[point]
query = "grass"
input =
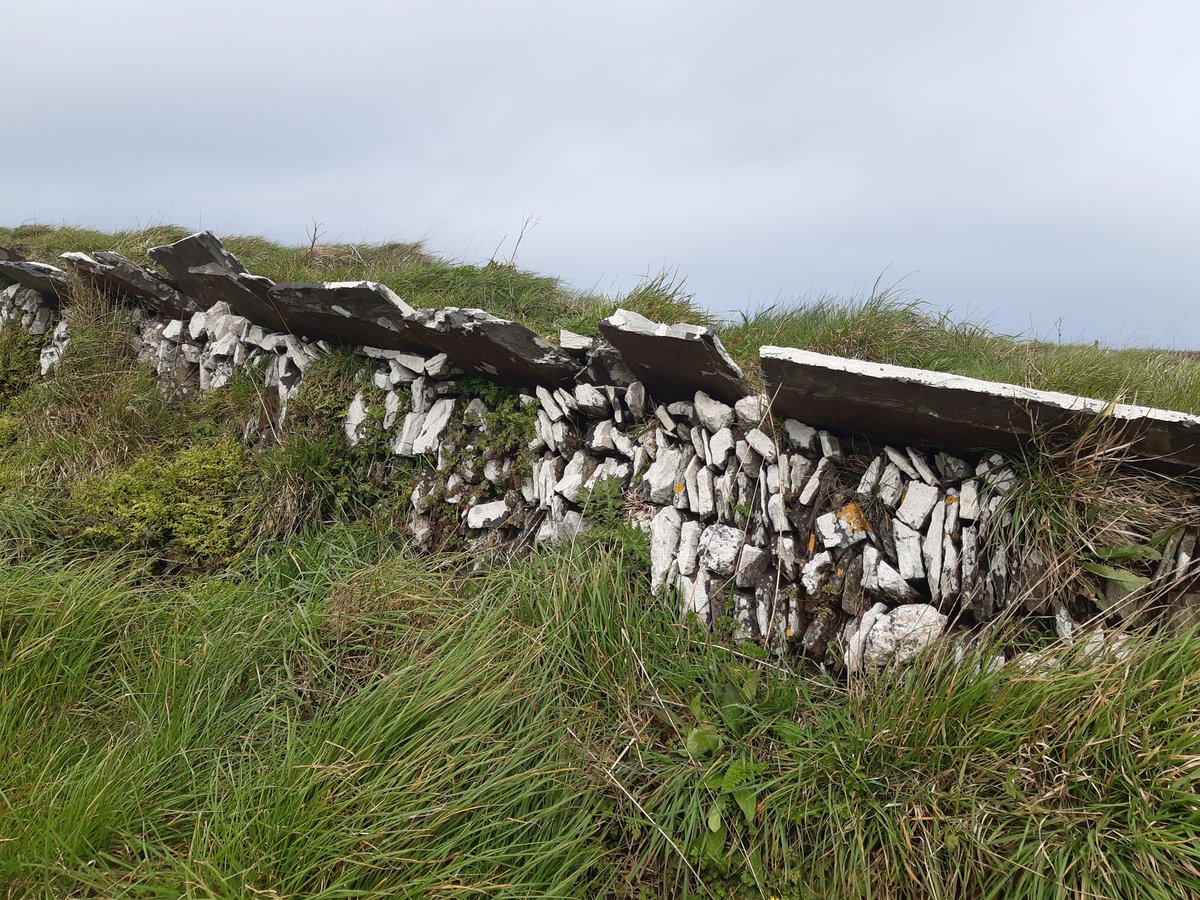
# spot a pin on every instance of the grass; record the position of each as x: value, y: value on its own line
x: 342, y: 720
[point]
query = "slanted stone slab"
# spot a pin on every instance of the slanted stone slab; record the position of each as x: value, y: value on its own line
x: 497, y: 349
x: 41, y: 277
x: 675, y: 361
x: 358, y: 313
x: 208, y: 273
x: 114, y: 274
x: 952, y: 412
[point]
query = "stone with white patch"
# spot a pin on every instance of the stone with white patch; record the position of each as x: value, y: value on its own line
x: 436, y: 422
x: 801, y: 436
x: 591, y: 402
x: 488, y: 515
x: 919, y: 501
x: 663, y: 475
x: 689, y: 546
x: 752, y: 410
x: 762, y: 444
x: 751, y: 566
x: 354, y: 425
x: 879, y: 578
x: 815, y: 572
x: 712, y: 414
x: 909, y: 558
x: 664, y: 545
x: 719, y: 546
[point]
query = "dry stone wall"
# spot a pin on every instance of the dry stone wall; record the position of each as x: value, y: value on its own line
x: 852, y: 551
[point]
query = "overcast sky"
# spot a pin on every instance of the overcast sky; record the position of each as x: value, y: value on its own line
x: 1034, y: 164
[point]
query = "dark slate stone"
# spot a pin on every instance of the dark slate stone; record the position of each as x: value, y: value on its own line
x: 360, y: 313
x: 41, y: 277
x: 208, y: 273
x: 950, y: 412
x: 116, y: 275
x: 604, y: 365
x: 497, y: 349
x: 675, y: 361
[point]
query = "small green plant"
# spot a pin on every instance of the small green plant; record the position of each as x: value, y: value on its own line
x: 193, y: 506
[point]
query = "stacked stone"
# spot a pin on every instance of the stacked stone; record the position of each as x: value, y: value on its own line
x: 206, y: 350
x: 33, y: 311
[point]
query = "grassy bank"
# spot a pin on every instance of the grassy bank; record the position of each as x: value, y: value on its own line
x: 884, y: 327
x: 340, y: 719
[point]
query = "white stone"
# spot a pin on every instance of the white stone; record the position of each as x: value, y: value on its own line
x: 908, y: 551
x: 830, y: 446
x: 566, y: 400
x: 921, y: 467
x: 488, y: 515
x: 813, y: 574
x: 881, y: 579
x: 763, y: 445
x: 173, y: 330
x: 719, y: 545
x: 712, y: 414
x: 694, y: 594
x: 430, y: 438
x: 899, y: 636
x: 576, y: 473
x: 789, y: 557
x: 919, y: 501
x: 665, y: 419
x: 720, y: 446
x: 801, y: 435
x: 549, y: 404
x: 682, y: 409
x: 855, y: 645
x: 705, y: 501
x: 438, y: 366
x: 356, y: 416
x: 663, y: 475
x: 843, y: 528
x: 198, y: 325
x: 870, y: 479
x: 664, y: 545
x: 691, y: 484
x: 409, y: 431
x: 900, y: 460
x: 891, y: 486
x: 816, y: 481
x: 602, y: 436
x: 968, y: 501
x: 635, y: 399
x: 689, y: 546
x: 932, y: 547
x: 569, y: 340
x: 752, y: 410
x: 622, y: 444
x: 590, y: 401
x: 225, y: 346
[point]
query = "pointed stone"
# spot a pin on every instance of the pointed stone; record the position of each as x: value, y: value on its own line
x: 712, y: 414
x: 675, y: 361
x: 664, y: 545
x: 689, y: 546
x: 919, y: 501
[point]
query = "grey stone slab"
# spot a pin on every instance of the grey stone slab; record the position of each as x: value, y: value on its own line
x: 41, y: 277
x: 115, y: 275
x: 951, y: 412
x: 497, y: 349
x: 675, y: 361
x: 204, y: 270
x: 357, y: 313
